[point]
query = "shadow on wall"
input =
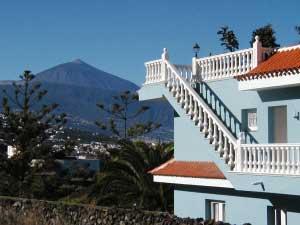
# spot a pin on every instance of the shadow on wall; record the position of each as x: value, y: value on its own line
x: 279, y: 94
x: 224, y: 113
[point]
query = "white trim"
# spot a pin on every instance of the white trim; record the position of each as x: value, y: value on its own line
x: 288, y: 48
x: 270, y: 82
x: 193, y: 181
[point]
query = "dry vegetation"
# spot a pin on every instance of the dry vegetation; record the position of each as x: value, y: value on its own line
x: 28, y: 218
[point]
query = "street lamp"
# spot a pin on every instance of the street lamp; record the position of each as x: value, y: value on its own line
x: 196, y: 49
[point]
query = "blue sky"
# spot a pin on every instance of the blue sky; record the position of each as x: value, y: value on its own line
x: 118, y: 36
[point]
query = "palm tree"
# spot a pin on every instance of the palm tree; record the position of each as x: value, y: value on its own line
x: 228, y: 39
x: 125, y: 181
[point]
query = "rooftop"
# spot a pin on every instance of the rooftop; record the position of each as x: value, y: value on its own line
x: 199, y: 169
x: 282, y: 62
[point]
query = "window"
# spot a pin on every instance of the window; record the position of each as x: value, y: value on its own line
x: 277, y: 216
x: 216, y: 210
x: 249, y: 118
x: 280, y: 217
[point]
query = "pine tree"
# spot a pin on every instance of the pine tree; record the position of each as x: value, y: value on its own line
x: 228, y: 39
x: 28, y: 125
x: 266, y: 36
x: 122, y: 112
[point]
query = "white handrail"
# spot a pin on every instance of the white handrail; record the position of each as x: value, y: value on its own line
x: 226, y: 65
x: 203, y: 104
x: 281, y: 158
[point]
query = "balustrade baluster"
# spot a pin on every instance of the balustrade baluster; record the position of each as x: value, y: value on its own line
x: 202, y: 70
x: 244, y: 62
x: 231, y: 156
x: 215, y: 136
x: 213, y: 73
x: 156, y: 72
x: 287, y: 164
x: 182, y: 95
x: 259, y: 153
x: 254, y: 164
x: 205, y: 123
x: 283, y: 160
x: 220, y: 143
x: 195, y: 118
x: 293, y: 160
x: 245, y: 161
x: 217, y: 67
x: 227, y: 66
x: 169, y: 82
x: 177, y: 95
x: 173, y: 87
x: 190, y: 109
x: 267, y: 161
x: 235, y: 65
x: 273, y: 163
x: 250, y: 161
x: 210, y: 129
x: 210, y: 67
x: 225, y: 149
x: 278, y: 160
x: 186, y: 100
x: 200, y: 118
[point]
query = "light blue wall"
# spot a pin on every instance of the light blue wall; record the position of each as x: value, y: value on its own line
x: 235, y: 100
x: 238, y: 210
x: 190, y: 145
x: 240, y: 207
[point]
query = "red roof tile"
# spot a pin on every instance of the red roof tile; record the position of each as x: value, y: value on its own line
x: 189, y: 169
x: 281, y: 61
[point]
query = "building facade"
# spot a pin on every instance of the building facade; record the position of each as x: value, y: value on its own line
x: 236, y: 134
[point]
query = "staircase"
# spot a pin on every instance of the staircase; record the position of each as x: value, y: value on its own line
x: 202, y: 106
x: 178, y: 80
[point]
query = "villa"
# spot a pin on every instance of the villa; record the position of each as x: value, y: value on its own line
x: 236, y: 134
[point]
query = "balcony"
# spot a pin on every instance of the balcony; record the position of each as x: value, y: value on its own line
x: 276, y: 159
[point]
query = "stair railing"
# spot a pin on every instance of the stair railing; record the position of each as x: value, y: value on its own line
x: 203, y: 116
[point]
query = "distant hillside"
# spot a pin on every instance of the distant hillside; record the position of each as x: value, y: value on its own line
x: 77, y: 87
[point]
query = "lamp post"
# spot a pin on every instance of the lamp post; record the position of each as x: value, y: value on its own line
x: 196, y: 49
x: 195, y: 79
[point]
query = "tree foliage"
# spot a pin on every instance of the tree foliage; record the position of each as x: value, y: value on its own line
x: 228, y: 39
x: 266, y: 36
x: 123, y: 114
x: 27, y: 125
x: 125, y: 180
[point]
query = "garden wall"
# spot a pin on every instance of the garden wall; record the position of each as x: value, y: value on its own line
x: 30, y: 212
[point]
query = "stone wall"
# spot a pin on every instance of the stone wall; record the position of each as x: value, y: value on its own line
x: 29, y: 212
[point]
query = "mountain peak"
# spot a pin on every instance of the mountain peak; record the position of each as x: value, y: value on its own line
x: 78, y: 61
x: 79, y: 73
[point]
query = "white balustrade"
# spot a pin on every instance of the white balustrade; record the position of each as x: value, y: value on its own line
x: 178, y: 83
x: 269, y: 158
x: 241, y: 157
x: 154, y: 72
x: 225, y: 65
x: 185, y: 71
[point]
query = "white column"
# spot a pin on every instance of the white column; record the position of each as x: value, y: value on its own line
x: 238, y: 152
x: 257, y: 52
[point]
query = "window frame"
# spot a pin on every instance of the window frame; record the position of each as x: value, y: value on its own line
x: 216, y: 210
x: 246, y: 119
